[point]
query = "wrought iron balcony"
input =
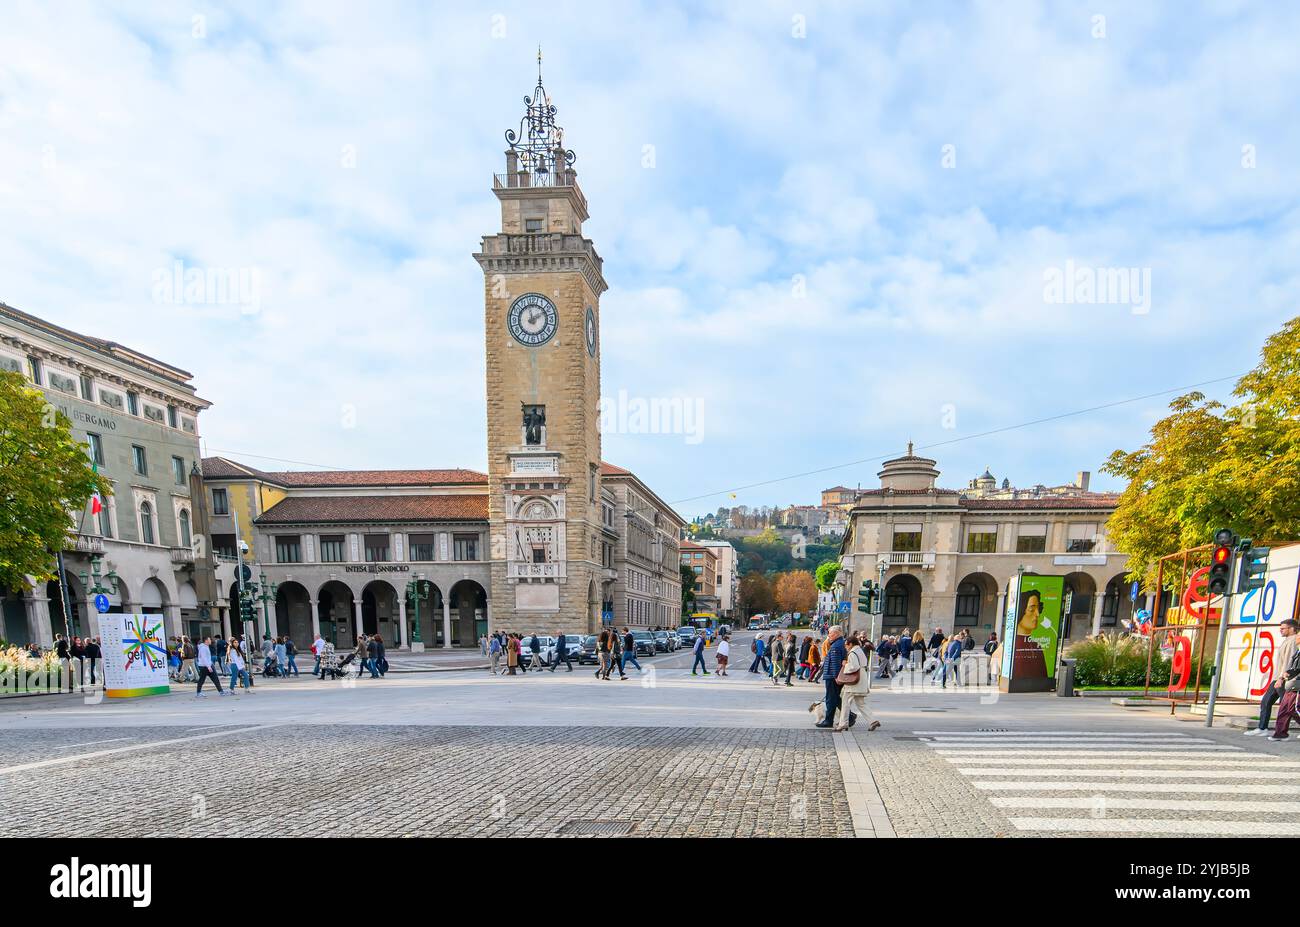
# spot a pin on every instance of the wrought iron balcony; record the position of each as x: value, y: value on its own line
x: 85, y: 543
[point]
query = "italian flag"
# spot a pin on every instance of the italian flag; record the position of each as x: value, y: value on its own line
x: 96, y: 506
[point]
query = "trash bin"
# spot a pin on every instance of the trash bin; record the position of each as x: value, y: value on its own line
x: 1065, y: 679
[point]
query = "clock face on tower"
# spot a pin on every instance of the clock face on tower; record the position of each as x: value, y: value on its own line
x: 532, y: 320
x: 591, y: 332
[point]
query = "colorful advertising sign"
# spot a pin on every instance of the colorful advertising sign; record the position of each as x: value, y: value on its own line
x: 1253, y: 618
x: 135, y: 655
x: 1031, y: 630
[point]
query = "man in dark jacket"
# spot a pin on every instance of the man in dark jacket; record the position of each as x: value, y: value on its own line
x: 562, y: 652
x: 936, y: 641
x: 93, y: 653
x: 629, y: 651
x: 834, y: 662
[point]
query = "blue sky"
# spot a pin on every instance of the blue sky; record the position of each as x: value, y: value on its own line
x: 841, y: 243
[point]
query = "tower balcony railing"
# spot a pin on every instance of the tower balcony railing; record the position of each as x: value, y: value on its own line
x: 516, y: 570
x: 527, y: 179
x: 535, y: 243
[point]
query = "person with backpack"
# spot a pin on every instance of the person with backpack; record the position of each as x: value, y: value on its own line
x: 188, y: 656
x: 757, y: 647
x: 699, y: 654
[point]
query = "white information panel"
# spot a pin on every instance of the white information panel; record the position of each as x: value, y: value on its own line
x: 135, y: 655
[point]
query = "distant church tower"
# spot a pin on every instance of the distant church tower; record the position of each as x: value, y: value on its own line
x: 542, y: 288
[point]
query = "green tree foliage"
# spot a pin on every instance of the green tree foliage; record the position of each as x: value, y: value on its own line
x: 1209, y: 466
x: 770, y: 552
x: 755, y: 594
x: 688, y: 587
x: 825, y: 575
x: 45, y: 478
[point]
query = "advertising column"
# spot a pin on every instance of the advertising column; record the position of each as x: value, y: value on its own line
x: 1031, y: 633
x: 135, y: 655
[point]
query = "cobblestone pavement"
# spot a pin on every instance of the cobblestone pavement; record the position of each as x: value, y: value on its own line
x: 425, y: 781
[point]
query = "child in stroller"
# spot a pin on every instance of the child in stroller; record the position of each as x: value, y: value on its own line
x: 271, y: 667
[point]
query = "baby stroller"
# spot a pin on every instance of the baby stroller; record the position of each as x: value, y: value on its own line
x: 271, y: 667
x: 330, y: 665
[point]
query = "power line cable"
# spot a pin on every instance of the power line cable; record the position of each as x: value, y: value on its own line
x: 982, y: 434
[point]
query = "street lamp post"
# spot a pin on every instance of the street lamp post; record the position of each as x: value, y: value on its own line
x: 414, y: 590
x: 265, y: 592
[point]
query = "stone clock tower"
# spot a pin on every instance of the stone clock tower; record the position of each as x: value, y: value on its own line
x: 542, y: 287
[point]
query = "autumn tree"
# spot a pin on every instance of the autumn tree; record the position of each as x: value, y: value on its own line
x: 1208, y: 465
x: 796, y: 591
x: 45, y: 476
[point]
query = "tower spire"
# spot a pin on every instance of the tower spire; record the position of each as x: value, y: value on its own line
x: 539, y: 143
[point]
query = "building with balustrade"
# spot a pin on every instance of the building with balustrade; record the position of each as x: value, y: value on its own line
x: 139, y: 420
x: 946, y: 555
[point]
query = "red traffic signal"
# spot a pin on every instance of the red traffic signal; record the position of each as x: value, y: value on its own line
x: 1220, y: 570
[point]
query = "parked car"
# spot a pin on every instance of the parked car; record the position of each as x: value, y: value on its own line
x: 665, y: 642
x: 645, y: 642
x: 586, y: 653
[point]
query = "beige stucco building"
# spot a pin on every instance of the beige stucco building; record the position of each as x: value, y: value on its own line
x: 946, y: 555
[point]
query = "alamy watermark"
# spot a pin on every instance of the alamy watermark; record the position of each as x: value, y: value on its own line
x: 209, y: 286
x: 1084, y: 285
x: 654, y: 415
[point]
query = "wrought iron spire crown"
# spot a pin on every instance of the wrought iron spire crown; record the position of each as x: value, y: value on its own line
x: 539, y: 143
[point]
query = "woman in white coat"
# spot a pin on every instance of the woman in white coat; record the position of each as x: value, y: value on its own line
x: 854, y: 695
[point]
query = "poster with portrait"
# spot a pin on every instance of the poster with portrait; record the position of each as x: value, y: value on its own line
x: 135, y: 655
x: 1032, y: 633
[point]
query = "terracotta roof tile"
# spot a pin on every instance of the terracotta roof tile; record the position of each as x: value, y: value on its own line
x: 224, y: 468
x: 301, y: 510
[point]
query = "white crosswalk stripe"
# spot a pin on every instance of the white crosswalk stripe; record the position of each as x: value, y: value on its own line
x: 1097, y: 782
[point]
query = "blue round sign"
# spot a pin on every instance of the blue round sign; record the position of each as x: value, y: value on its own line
x: 101, y: 603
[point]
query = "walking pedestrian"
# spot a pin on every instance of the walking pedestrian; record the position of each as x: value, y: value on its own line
x: 535, y: 650
x: 815, y: 660
x: 1285, y: 651
x: 790, y: 657
x: 318, y: 650
x: 991, y: 649
x: 64, y: 654
x: 378, y: 656
x: 699, y: 654
x: 188, y: 655
x: 281, y: 657
x: 203, y: 660
x: 562, y: 652
x: 238, y: 672
x: 836, y: 652
x: 854, y: 694
x: 951, y: 660
x: 615, y: 655
x: 918, y: 649
x: 723, y: 654
x: 629, y: 652
x: 494, y: 654
x: 512, y: 655
x: 290, y: 654
x: 219, y: 654
x: 759, y: 648
x: 93, y: 653
x: 361, y: 654
x: 78, y: 651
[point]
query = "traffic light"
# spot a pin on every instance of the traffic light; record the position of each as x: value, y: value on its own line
x: 1221, y: 563
x: 246, y: 610
x: 1254, y: 564
x: 865, y: 596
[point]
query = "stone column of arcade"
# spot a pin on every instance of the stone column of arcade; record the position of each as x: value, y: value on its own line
x: 356, y: 607
x: 401, y: 620
x: 446, y: 622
